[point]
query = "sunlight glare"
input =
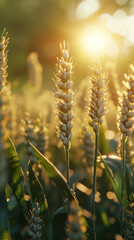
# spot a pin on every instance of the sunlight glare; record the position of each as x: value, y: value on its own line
x: 99, y: 42
x: 94, y: 42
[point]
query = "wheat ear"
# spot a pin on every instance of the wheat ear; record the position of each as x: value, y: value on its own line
x: 35, y: 224
x: 125, y: 123
x: 64, y: 95
x: 3, y: 109
x: 97, y: 108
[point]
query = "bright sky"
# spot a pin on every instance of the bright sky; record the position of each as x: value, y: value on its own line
x: 99, y: 38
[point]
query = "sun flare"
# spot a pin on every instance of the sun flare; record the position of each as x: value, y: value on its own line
x: 94, y: 42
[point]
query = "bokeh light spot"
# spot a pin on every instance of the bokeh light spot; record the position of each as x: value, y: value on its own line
x: 121, y: 2
x: 87, y: 8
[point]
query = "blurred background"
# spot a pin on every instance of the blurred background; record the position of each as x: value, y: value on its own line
x: 92, y: 27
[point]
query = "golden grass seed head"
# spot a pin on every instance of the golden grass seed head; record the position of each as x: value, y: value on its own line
x: 125, y: 115
x: 113, y: 83
x: 97, y: 102
x: 3, y: 140
x: 3, y: 60
x: 82, y: 99
x: 64, y: 94
x: 129, y: 83
x: 35, y: 71
x: 87, y: 145
x: 29, y: 135
x: 41, y: 137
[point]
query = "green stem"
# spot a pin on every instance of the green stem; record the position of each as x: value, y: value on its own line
x: 68, y: 177
x: 4, y: 227
x: 123, y: 183
x: 67, y: 162
x: 94, y: 186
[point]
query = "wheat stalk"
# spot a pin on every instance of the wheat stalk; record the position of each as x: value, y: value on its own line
x: 87, y: 146
x: 97, y: 108
x: 41, y: 137
x: 97, y: 102
x: 113, y: 85
x: 35, y: 71
x: 125, y: 123
x: 29, y: 136
x: 64, y: 95
x: 3, y: 109
x: 3, y: 60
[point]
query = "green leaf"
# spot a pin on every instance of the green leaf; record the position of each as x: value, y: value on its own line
x: 53, y: 173
x: 59, y: 224
x: 103, y: 143
x: 38, y: 196
x: 115, y: 163
x: 4, y: 228
x: 15, y: 180
x: 60, y: 219
x: 116, y: 179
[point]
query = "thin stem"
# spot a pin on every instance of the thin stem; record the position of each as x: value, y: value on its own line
x: 94, y: 186
x: 4, y: 215
x: 123, y: 183
x: 67, y: 162
x: 68, y: 177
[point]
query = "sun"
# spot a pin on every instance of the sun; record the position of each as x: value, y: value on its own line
x: 94, y: 42
x: 97, y: 41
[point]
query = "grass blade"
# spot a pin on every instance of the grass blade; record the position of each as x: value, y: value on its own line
x: 15, y: 180
x: 4, y: 228
x: 38, y: 196
x: 115, y: 183
x: 53, y: 173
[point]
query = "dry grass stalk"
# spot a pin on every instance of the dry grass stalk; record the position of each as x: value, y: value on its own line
x: 35, y: 71
x: 113, y: 86
x: 88, y: 147
x: 3, y: 138
x: 129, y: 83
x: 126, y: 105
x: 3, y: 109
x: 42, y: 138
x: 83, y: 96
x: 129, y: 148
x: 97, y: 104
x: 29, y: 135
x: 125, y: 115
x: 64, y: 94
x: 97, y: 108
x: 3, y: 60
x: 125, y: 124
x: 113, y: 92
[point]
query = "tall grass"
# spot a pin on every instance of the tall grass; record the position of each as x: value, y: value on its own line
x: 96, y: 187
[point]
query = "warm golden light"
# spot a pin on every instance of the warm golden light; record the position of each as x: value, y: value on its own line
x: 94, y: 42
x: 99, y: 42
